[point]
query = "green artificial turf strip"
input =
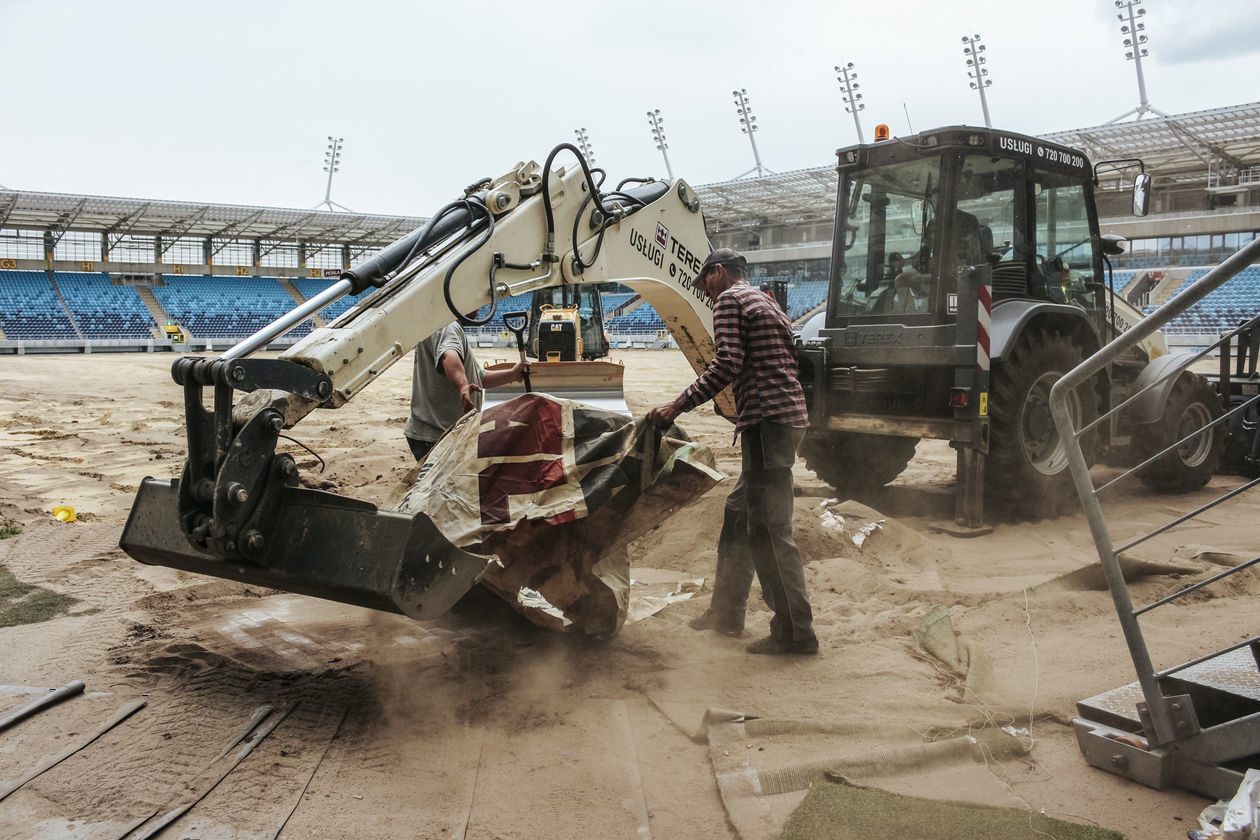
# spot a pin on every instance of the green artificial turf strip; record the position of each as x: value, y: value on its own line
x: 838, y: 810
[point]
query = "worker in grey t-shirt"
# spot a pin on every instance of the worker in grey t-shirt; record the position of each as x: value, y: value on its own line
x: 446, y: 384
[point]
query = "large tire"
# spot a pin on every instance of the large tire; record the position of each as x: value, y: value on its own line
x: 854, y: 463
x: 1192, y: 404
x: 1026, y: 475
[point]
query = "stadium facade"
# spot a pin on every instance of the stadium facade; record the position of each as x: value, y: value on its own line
x: 91, y: 273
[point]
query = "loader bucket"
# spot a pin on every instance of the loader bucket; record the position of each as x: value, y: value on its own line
x: 324, y: 545
x: 597, y: 384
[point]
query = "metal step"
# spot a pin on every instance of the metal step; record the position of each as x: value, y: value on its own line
x: 1222, y: 688
x: 1218, y: 703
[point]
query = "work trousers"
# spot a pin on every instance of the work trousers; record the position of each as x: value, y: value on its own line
x: 757, y: 537
x: 420, y: 448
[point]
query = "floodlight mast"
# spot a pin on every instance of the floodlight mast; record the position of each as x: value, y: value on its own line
x: 1132, y: 28
x: 972, y: 48
x: 847, y: 78
x: 332, y: 161
x: 584, y: 143
x: 748, y: 125
x: 658, y: 134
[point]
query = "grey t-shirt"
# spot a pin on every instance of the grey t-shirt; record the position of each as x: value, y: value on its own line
x: 434, y: 401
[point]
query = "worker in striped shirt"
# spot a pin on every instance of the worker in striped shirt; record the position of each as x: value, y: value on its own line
x: 753, y: 343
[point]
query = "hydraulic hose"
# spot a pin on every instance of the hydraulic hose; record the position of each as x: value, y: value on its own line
x: 549, y: 254
x: 474, y: 204
x: 376, y: 270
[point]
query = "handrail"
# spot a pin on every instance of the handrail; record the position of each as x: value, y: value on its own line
x: 1163, y: 727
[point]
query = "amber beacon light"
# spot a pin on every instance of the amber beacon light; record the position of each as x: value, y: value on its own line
x: 881, y: 132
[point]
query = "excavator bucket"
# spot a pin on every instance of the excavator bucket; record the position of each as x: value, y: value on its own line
x: 596, y: 383
x: 322, y: 545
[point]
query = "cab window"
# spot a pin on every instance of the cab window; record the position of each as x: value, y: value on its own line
x: 1062, y: 246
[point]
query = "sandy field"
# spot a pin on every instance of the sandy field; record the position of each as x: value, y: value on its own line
x: 479, y: 725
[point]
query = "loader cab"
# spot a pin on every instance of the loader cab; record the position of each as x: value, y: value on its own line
x: 594, y: 342
x: 913, y: 212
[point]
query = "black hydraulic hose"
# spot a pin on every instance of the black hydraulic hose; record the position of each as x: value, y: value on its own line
x: 621, y: 186
x: 593, y: 186
x: 422, y: 242
x: 627, y: 197
x: 474, y: 204
x: 581, y: 265
x: 376, y: 270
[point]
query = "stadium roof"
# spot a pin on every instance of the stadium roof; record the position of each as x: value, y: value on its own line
x: 1177, y: 149
x: 121, y: 217
x: 802, y: 196
x: 1181, y: 148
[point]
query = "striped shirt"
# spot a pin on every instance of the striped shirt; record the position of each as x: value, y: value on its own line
x: 753, y: 339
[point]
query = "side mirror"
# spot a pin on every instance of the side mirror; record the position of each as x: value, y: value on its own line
x: 1142, y: 194
x: 1113, y: 244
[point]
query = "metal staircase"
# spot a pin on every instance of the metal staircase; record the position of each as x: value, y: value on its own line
x: 1195, y: 725
x: 65, y: 307
x: 152, y: 304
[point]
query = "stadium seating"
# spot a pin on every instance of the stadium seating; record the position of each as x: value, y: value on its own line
x: 225, y: 307
x: 102, y: 309
x: 803, y: 297
x: 1229, y: 305
x: 610, y: 302
x: 1123, y: 278
x: 30, y: 309
x: 516, y: 303
x: 642, y: 320
x: 310, y: 287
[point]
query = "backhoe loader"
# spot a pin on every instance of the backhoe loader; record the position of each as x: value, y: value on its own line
x: 238, y: 510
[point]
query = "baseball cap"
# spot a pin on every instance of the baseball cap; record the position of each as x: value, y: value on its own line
x: 724, y: 256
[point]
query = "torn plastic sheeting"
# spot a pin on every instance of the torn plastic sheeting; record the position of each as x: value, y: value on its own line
x: 532, y: 599
x: 557, y: 489
x: 836, y: 522
x: 1237, y: 819
x: 648, y: 597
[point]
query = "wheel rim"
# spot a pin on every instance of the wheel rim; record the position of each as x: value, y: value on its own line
x: 1197, y: 449
x: 1038, y: 435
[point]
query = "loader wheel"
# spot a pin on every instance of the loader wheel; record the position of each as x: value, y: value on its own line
x: 855, y: 463
x: 1026, y: 476
x: 1192, y: 404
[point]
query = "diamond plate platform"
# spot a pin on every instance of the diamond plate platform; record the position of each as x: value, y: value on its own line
x: 1223, y: 688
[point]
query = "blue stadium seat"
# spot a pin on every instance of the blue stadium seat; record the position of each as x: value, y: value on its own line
x: 29, y: 308
x: 312, y: 286
x: 225, y: 307
x: 102, y: 309
x: 1237, y: 300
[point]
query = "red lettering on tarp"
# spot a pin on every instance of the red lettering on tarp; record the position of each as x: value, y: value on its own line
x: 527, y: 425
x: 498, y: 482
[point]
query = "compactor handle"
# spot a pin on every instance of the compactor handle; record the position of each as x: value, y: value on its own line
x: 518, y: 322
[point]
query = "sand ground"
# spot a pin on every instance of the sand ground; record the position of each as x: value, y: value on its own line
x: 481, y: 726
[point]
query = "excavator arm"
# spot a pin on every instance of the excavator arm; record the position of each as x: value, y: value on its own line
x: 651, y: 239
x: 238, y: 510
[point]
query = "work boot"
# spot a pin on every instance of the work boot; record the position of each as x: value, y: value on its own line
x: 709, y: 620
x: 774, y: 646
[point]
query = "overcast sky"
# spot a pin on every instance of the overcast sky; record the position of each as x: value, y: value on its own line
x: 232, y: 102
